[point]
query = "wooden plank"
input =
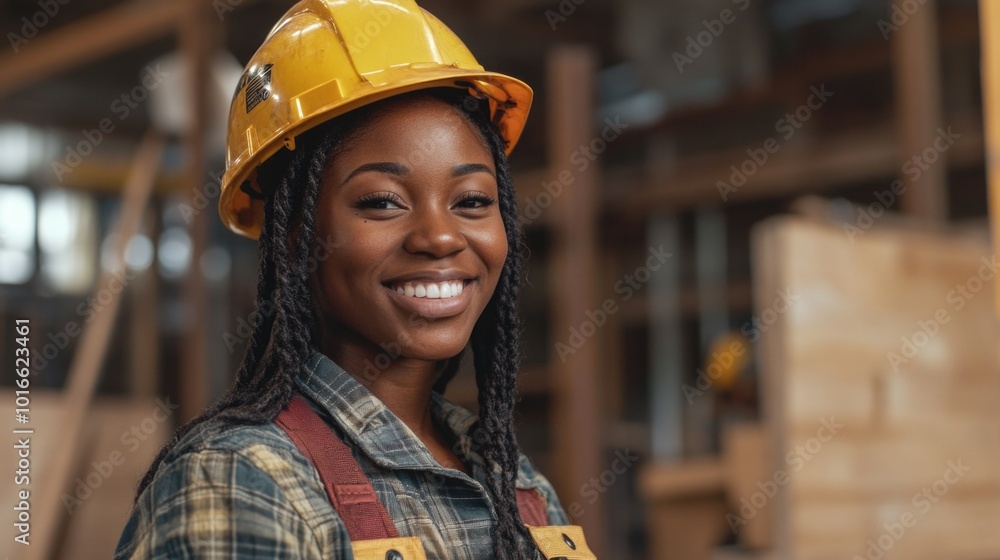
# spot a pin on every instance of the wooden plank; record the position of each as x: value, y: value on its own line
x: 144, y: 336
x: 76, y: 44
x: 672, y: 481
x: 577, y: 407
x: 990, y: 23
x: 821, y: 164
x: 86, y: 367
x: 746, y: 459
x: 917, y: 76
x: 686, y: 507
x: 904, y: 418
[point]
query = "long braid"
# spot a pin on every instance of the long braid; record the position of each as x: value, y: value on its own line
x: 278, y: 344
x: 496, y: 351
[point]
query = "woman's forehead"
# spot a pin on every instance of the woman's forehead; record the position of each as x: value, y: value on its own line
x: 417, y: 129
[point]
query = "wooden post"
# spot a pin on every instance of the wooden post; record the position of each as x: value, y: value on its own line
x: 917, y: 71
x: 578, y: 430
x: 195, y: 33
x: 144, y: 354
x: 989, y: 21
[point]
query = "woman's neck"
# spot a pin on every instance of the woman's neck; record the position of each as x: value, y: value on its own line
x: 403, y: 385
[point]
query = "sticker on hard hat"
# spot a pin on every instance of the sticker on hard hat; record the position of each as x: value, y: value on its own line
x: 257, y: 81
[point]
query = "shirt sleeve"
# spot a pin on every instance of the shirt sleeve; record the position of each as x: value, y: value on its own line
x: 220, y: 504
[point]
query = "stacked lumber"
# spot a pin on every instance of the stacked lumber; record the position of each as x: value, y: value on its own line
x: 881, y: 391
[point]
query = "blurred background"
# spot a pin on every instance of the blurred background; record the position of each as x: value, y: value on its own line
x: 759, y: 317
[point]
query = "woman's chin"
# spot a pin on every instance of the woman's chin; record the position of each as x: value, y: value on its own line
x: 434, y: 348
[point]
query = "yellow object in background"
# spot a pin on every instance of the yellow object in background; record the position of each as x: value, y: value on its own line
x: 727, y: 358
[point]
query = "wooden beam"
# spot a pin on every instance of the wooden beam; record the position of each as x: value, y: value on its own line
x: 144, y: 354
x: 577, y: 405
x: 78, y: 43
x: 917, y: 74
x: 822, y: 164
x: 990, y: 22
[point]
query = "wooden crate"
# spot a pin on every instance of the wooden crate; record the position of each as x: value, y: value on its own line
x: 839, y: 353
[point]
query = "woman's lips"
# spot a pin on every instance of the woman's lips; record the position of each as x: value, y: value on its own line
x: 432, y: 299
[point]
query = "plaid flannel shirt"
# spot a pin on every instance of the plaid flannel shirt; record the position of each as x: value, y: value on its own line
x: 248, y: 492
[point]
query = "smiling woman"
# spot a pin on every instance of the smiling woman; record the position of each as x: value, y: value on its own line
x: 335, y: 440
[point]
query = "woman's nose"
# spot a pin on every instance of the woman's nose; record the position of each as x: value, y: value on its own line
x: 435, y: 233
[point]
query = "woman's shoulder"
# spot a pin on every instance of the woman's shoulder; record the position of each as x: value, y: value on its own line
x: 244, y: 457
x: 233, y: 481
x: 218, y: 435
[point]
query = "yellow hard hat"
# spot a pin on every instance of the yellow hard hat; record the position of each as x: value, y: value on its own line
x: 327, y: 57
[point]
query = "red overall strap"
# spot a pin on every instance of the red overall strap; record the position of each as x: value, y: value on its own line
x: 347, y: 488
x: 532, y: 507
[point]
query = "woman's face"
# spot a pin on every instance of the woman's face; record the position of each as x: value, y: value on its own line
x: 408, y: 209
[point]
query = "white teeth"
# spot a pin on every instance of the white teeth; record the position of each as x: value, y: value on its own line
x: 431, y: 290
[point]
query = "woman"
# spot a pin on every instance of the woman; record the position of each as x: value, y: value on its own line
x: 373, y: 170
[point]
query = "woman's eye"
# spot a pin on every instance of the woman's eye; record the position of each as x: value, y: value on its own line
x: 475, y: 200
x: 380, y: 201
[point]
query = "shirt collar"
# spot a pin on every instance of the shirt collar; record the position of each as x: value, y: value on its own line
x: 378, y: 433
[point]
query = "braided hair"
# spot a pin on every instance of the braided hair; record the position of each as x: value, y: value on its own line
x: 279, y: 344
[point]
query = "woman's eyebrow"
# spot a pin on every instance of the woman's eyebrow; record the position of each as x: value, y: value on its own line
x: 468, y: 168
x: 386, y: 167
